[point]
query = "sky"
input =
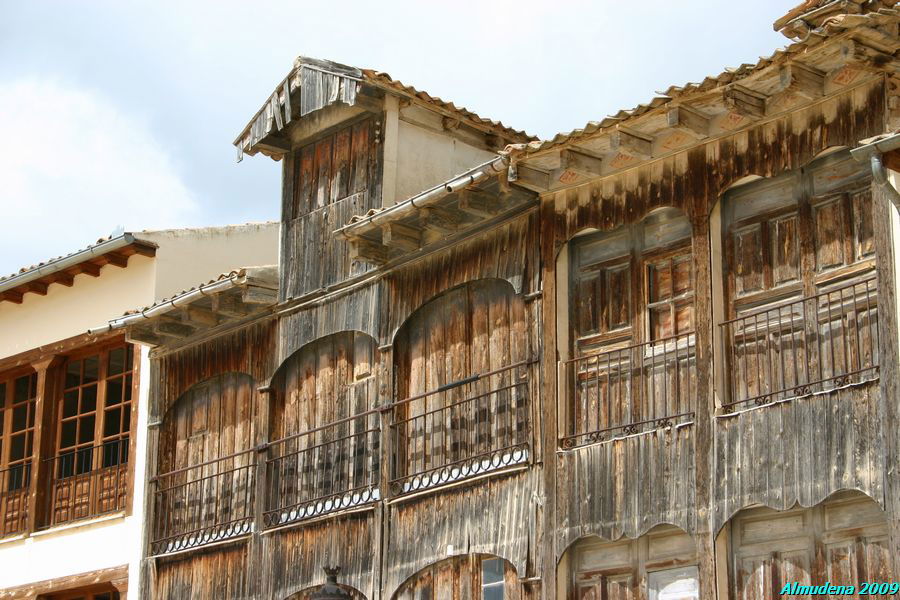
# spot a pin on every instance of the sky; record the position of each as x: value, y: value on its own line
x: 121, y: 115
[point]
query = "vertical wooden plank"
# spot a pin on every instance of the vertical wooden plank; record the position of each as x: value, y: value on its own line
x: 322, y: 191
x: 359, y: 156
x: 340, y: 165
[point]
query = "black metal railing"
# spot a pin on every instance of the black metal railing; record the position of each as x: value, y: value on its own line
x: 628, y: 390
x: 802, y: 347
x: 14, y: 484
x: 88, y: 482
x: 323, y: 470
x: 468, y: 427
x: 204, y: 503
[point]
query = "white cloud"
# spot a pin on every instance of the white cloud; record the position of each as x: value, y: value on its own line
x: 74, y: 167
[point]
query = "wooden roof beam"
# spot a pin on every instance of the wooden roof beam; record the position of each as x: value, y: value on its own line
x: 38, y: 287
x: 13, y: 296
x: 438, y: 220
x: 138, y: 247
x: 582, y: 162
x: 530, y: 178
x: 746, y: 102
x: 255, y: 294
x: 368, y: 251
x: 62, y: 277
x: 88, y: 268
x: 229, y: 305
x: 199, y: 317
x: 401, y: 236
x: 800, y: 79
x: 112, y: 258
x: 688, y: 119
x: 632, y: 142
x: 172, y: 328
x: 477, y: 204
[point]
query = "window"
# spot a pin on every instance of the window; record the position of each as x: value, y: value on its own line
x: 89, y: 471
x: 95, y: 414
x: 492, y: 579
x: 633, y: 284
x: 17, y: 397
x: 674, y: 584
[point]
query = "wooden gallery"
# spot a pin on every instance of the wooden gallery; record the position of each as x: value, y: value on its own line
x: 653, y: 358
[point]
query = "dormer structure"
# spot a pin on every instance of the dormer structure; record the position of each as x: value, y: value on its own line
x: 352, y: 141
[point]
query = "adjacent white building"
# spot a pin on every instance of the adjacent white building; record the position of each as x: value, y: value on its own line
x: 73, y: 404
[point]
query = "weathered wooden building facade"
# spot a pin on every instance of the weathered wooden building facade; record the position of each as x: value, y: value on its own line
x: 652, y: 358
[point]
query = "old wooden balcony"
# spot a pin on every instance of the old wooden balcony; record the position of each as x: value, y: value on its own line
x: 14, y: 486
x: 204, y: 503
x: 323, y: 470
x: 471, y: 427
x: 88, y: 482
x: 812, y: 345
x: 628, y: 390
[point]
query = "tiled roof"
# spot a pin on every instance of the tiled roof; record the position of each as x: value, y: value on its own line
x: 35, y: 266
x: 834, y: 26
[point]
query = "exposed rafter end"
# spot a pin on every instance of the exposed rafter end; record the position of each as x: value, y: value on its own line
x: 800, y: 79
x: 367, y: 251
x: 581, y: 161
x: 530, y: 178
x: 746, y: 102
x: 630, y: 141
x: 401, y: 236
x: 479, y: 205
x: 688, y: 119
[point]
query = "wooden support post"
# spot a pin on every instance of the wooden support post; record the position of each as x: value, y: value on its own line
x: 385, y: 394
x: 261, y: 440
x: 547, y: 570
x: 40, y: 487
x: 886, y: 254
x: 705, y: 405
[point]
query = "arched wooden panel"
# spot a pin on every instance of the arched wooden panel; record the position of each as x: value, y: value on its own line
x: 474, y: 576
x: 475, y: 328
x: 214, y: 418
x: 842, y: 541
x: 461, y: 384
x: 325, y: 381
x: 324, y: 456
x: 660, y: 564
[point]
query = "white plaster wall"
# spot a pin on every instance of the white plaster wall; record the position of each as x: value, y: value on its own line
x: 101, y: 543
x: 427, y: 155
x: 68, y: 311
x: 188, y: 257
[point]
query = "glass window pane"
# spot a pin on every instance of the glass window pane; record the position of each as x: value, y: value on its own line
x: 113, y: 391
x: 17, y: 447
x: 491, y: 571
x: 116, y: 361
x: 22, y: 390
x: 91, y: 369
x: 127, y: 388
x: 67, y: 436
x: 88, y: 399
x: 20, y: 417
x: 492, y: 592
x: 73, y: 373
x: 674, y: 584
x: 86, y: 429
x: 126, y: 417
x: 70, y: 403
x: 2, y: 395
x: 112, y: 422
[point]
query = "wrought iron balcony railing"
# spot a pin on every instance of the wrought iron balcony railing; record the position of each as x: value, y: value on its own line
x: 802, y: 347
x: 627, y: 390
x: 204, y: 503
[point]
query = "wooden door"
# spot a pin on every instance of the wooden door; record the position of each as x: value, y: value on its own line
x: 842, y: 541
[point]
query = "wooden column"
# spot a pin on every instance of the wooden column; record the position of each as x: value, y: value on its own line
x: 48, y: 389
x: 384, y: 380
x: 705, y: 405
x: 548, y: 399
x: 147, y: 576
x: 885, y: 219
x: 262, y: 438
